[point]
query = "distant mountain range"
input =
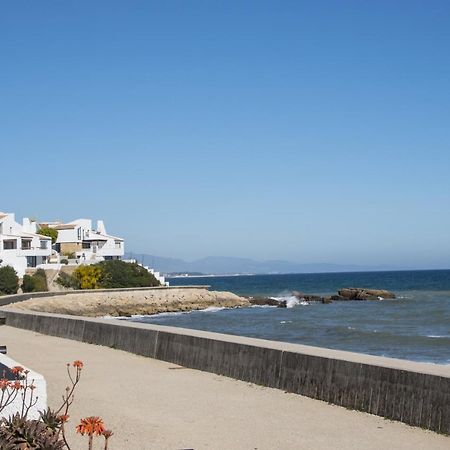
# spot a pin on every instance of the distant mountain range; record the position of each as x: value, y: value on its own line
x: 224, y: 265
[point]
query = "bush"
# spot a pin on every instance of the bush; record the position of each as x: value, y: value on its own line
x: 120, y: 274
x: 50, y: 232
x: 40, y: 281
x: 88, y: 276
x: 64, y: 261
x: 108, y: 275
x: 27, y: 283
x: 9, y: 281
x: 36, y: 282
x: 68, y: 281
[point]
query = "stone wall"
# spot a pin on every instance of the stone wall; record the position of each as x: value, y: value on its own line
x: 414, y: 393
x: 67, y: 248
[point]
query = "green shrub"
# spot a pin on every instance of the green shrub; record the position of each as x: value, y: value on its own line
x: 27, y: 283
x: 120, y: 274
x: 40, y: 281
x: 36, y: 282
x: 9, y: 281
x: 64, y: 261
x: 68, y: 281
x: 108, y: 275
x: 50, y: 232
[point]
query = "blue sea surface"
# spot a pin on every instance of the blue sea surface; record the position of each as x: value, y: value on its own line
x: 414, y: 326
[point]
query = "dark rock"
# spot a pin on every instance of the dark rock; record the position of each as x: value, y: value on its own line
x: 337, y: 298
x: 261, y: 301
x: 364, y: 294
x: 311, y: 298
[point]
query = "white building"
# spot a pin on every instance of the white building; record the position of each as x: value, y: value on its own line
x: 78, y: 239
x: 20, y: 245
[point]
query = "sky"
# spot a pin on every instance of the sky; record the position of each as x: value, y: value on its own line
x: 310, y: 131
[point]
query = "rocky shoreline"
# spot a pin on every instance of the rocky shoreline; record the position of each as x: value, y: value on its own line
x: 128, y: 303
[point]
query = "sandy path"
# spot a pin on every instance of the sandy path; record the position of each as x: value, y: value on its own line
x: 151, y: 404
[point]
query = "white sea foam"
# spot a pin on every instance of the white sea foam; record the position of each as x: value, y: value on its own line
x: 212, y: 309
x: 263, y: 306
x: 291, y: 301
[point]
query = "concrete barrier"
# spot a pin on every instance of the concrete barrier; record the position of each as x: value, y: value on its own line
x: 415, y: 393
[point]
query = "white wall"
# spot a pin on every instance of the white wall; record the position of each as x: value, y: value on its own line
x: 40, y: 392
x: 17, y: 258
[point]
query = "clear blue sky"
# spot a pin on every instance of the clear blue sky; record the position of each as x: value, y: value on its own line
x: 312, y: 131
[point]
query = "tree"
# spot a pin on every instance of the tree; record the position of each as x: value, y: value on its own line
x: 9, y: 281
x: 50, y: 232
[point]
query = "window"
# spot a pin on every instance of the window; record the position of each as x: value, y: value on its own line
x: 26, y: 244
x: 86, y: 245
x: 31, y: 261
x: 43, y: 245
x: 9, y: 245
x: 79, y: 234
x: 118, y: 244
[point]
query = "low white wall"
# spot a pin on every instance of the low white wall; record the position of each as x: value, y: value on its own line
x: 40, y: 392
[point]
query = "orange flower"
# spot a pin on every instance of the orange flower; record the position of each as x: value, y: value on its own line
x: 17, y: 386
x: 78, y: 364
x: 16, y: 370
x: 91, y: 426
x: 4, y: 383
x: 107, y: 434
x: 63, y: 418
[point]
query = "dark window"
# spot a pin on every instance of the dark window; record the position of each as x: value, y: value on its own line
x: 10, y: 245
x: 31, y: 261
x: 26, y: 244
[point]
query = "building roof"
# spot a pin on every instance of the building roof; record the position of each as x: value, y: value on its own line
x: 64, y: 226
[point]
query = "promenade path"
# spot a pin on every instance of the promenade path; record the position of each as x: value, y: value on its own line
x: 152, y: 404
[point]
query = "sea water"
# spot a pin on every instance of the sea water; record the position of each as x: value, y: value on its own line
x: 414, y: 326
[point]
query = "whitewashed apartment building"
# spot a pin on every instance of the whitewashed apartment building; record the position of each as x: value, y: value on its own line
x: 20, y: 246
x: 79, y: 240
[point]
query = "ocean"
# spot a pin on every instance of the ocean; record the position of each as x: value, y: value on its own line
x: 414, y: 326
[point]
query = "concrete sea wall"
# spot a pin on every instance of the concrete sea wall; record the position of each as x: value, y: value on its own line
x: 415, y: 393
